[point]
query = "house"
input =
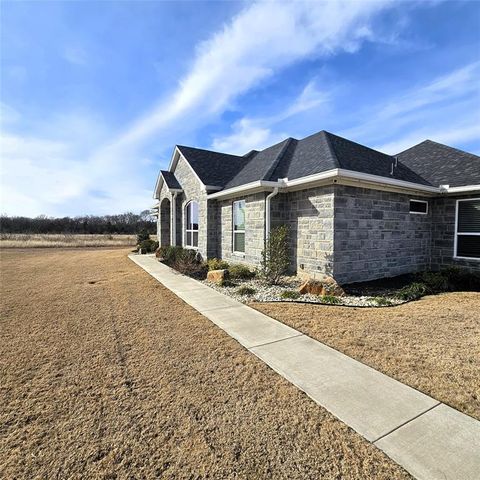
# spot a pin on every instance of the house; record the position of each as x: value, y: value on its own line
x: 354, y: 213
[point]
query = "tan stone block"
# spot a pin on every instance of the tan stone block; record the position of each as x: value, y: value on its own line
x: 217, y: 276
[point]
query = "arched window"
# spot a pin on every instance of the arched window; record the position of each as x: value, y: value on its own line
x: 191, y: 224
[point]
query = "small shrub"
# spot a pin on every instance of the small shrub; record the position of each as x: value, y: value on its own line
x: 217, y: 264
x: 246, y: 290
x: 332, y: 299
x: 148, y: 246
x: 460, y: 279
x: 142, y: 236
x: 382, y: 301
x: 227, y: 283
x: 275, y: 257
x: 412, y: 292
x: 290, y: 294
x: 435, y: 282
x: 240, y: 272
x: 187, y: 262
x: 169, y: 254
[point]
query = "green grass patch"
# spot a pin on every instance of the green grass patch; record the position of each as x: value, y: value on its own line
x: 331, y: 299
x: 246, y: 290
x: 290, y: 294
x: 382, y: 301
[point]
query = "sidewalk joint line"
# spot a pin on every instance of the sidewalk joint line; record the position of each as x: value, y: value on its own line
x: 276, y: 341
x: 407, y: 422
x: 217, y: 308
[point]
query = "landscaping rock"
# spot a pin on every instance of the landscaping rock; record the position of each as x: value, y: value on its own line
x: 326, y: 286
x: 217, y: 276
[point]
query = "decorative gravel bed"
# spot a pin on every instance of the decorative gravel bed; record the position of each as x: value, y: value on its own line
x: 272, y: 293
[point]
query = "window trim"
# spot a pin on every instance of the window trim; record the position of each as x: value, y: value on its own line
x: 233, y: 226
x: 419, y: 201
x: 186, y: 230
x: 455, y: 256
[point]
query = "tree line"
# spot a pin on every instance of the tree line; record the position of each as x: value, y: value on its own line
x: 124, y: 223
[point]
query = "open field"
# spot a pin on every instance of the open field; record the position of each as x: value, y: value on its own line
x: 106, y: 374
x: 432, y: 344
x: 25, y: 240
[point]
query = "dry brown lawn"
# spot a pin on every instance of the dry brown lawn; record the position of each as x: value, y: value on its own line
x: 106, y: 374
x: 27, y: 240
x: 432, y: 344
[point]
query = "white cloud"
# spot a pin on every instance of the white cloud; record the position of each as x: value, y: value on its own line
x: 261, y: 39
x: 464, y: 132
x: 58, y: 176
x: 247, y: 135
x: 440, y: 110
x: 258, y: 133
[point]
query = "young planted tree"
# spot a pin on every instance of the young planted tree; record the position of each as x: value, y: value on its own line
x: 275, y: 257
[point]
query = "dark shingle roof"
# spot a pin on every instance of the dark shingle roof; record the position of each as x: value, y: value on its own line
x: 428, y: 163
x: 324, y: 151
x: 213, y: 168
x: 442, y: 165
x: 259, y: 165
x: 170, y: 179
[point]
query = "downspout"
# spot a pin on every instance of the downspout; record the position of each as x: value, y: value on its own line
x: 173, y: 226
x: 267, y: 211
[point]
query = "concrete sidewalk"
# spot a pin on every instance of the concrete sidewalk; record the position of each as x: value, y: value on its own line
x: 429, y: 439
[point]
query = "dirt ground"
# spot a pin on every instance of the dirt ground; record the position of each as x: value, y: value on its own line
x: 432, y: 344
x: 105, y: 374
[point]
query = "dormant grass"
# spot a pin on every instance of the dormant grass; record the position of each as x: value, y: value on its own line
x: 25, y: 240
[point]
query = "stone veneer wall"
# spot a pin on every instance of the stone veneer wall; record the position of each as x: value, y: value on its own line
x: 254, y: 229
x: 443, y: 235
x: 376, y: 236
x: 309, y: 215
x: 352, y: 233
x: 192, y: 190
x: 163, y: 228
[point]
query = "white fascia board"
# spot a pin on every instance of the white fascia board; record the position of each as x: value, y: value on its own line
x: 247, y: 188
x: 312, y: 178
x: 173, y: 160
x: 464, y: 189
x: 158, y: 185
x: 368, y: 178
x: 357, y: 178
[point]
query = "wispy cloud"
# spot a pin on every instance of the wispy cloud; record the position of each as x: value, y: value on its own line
x: 260, y: 132
x: 260, y: 40
x: 442, y: 109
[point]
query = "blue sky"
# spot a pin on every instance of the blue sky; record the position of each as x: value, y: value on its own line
x: 94, y: 95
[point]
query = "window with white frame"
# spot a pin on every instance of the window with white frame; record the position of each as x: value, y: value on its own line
x: 191, y: 224
x: 419, y: 206
x: 239, y: 226
x: 467, y: 229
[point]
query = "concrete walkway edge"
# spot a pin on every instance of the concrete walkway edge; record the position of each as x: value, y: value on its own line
x: 427, y: 438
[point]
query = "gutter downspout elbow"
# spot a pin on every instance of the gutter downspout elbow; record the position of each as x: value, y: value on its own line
x: 267, y: 211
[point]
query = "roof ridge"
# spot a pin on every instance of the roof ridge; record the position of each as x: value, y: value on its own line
x: 428, y: 140
x: 414, y: 146
x: 448, y: 146
x: 330, y: 148
x: 209, y: 151
x: 277, y: 159
x: 361, y: 144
